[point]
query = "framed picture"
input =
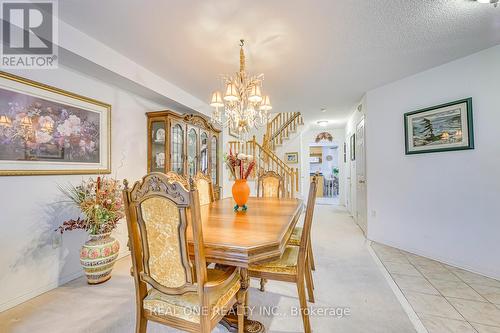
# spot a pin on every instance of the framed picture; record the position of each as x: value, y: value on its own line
x: 49, y: 131
x: 352, y: 147
x: 292, y: 158
x: 439, y: 128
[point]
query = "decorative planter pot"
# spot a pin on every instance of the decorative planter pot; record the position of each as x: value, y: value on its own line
x: 241, y: 192
x: 97, y: 256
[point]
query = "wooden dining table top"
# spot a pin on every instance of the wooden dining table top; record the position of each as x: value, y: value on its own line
x: 242, y: 238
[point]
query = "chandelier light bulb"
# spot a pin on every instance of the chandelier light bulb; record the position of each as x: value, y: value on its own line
x: 231, y: 93
x: 255, y: 94
x: 217, y: 101
x: 266, y: 104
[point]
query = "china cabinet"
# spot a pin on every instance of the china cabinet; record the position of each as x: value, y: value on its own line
x: 184, y: 144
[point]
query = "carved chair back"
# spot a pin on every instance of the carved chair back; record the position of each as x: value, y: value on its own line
x: 270, y: 185
x: 157, y: 217
x: 305, y: 239
x: 205, y: 188
x: 175, y: 177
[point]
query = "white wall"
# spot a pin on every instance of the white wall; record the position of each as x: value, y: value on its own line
x: 439, y: 205
x: 30, y: 206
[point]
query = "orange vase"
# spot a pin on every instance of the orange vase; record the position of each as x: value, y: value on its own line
x: 241, y: 192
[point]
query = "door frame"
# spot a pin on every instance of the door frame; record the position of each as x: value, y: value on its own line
x: 361, y: 182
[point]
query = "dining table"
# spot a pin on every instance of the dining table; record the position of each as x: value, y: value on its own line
x: 242, y: 238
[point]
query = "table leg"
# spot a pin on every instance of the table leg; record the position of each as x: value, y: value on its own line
x: 230, y: 322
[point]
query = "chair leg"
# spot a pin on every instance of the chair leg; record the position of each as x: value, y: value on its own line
x: 303, y: 304
x: 310, y: 272
x: 241, y: 310
x: 141, y: 324
x: 263, y: 284
x: 309, y: 281
x: 311, y: 256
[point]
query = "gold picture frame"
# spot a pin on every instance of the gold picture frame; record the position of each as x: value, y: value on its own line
x: 63, y: 133
x: 292, y: 158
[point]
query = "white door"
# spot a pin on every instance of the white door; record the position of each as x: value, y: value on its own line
x: 361, y: 176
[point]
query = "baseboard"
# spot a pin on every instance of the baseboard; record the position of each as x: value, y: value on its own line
x: 39, y: 291
x: 491, y: 275
x: 412, y: 315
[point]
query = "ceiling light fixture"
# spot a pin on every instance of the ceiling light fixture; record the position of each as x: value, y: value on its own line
x: 493, y: 2
x: 323, y: 110
x: 244, y: 105
x: 322, y: 123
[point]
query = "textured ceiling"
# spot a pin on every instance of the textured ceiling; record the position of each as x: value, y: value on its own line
x: 315, y: 54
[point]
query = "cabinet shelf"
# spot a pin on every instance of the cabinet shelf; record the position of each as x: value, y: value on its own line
x: 191, y: 144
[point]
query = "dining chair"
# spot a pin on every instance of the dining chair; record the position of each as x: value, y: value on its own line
x: 205, y: 188
x: 295, y: 241
x: 170, y: 288
x: 293, y: 266
x: 173, y: 176
x: 270, y: 185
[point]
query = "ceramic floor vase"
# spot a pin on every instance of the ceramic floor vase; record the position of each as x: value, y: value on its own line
x: 241, y: 192
x: 98, y: 256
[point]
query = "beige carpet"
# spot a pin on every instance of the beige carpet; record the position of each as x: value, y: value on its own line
x: 347, y: 278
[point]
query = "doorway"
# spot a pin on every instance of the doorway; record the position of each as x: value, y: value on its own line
x: 324, y: 160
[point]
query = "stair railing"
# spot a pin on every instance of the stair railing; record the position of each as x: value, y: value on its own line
x: 280, y: 128
x: 266, y: 160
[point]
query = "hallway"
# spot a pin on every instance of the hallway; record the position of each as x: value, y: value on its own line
x: 348, y: 281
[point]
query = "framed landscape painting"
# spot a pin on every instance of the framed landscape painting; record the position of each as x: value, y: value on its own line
x: 439, y: 128
x: 48, y: 131
x: 292, y: 158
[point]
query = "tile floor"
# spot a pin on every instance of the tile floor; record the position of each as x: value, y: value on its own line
x: 445, y: 298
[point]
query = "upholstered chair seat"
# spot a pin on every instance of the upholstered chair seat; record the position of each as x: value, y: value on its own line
x: 295, y: 237
x: 287, y: 264
x: 186, y: 306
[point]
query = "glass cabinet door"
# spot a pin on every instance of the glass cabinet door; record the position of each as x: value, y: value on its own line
x: 204, y: 153
x: 192, y: 147
x: 177, y: 149
x: 213, y: 159
x: 157, y: 162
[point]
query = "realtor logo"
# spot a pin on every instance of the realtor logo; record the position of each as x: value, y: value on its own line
x: 29, y: 34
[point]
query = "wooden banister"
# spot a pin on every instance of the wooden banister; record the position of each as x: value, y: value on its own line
x: 266, y: 160
x: 279, y: 128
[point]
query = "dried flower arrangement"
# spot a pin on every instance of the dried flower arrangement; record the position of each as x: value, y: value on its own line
x: 240, y: 165
x: 101, y: 203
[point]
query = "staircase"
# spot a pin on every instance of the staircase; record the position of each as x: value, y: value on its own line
x: 278, y: 129
x: 266, y: 160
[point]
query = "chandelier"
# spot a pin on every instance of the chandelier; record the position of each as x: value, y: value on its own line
x: 243, y: 105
